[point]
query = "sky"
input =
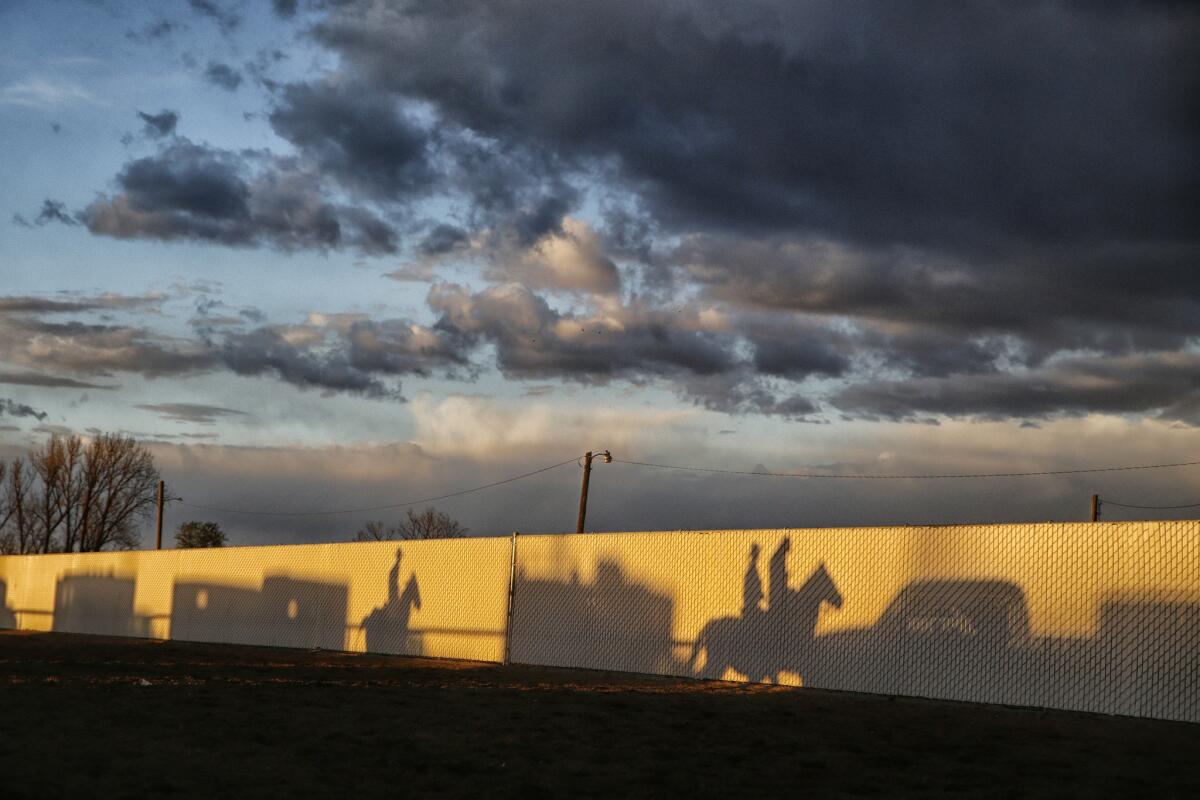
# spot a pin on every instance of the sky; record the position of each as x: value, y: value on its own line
x: 328, y: 255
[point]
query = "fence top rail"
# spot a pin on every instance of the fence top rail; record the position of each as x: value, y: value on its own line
x: 848, y: 529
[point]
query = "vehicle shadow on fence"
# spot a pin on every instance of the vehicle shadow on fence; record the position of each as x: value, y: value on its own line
x: 285, y: 612
x: 7, y: 618
x: 612, y: 623
x: 100, y: 604
x: 958, y: 639
x: 971, y: 640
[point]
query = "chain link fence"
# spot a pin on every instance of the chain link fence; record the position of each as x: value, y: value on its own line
x: 1101, y: 617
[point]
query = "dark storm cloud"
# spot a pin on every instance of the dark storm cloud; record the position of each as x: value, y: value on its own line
x: 226, y: 19
x: 978, y: 170
x: 284, y: 8
x: 533, y: 340
x: 267, y: 351
x: 930, y: 124
x: 633, y: 344
x: 190, y: 412
x: 1166, y: 384
x: 740, y: 391
x: 160, y: 124
x: 789, y: 348
x: 15, y: 409
x: 46, y: 381
x: 153, y: 30
x: 936, y: 205
x: 443, y: 239
x: 341, y: 353
x: 1112, y: 297
x: 65, y: 303
x: 376, y: 144
x: 91, y: 349
x: 223, y: 76
x: 51, y: 211
x: 190, y: 191
x: 356, y: 134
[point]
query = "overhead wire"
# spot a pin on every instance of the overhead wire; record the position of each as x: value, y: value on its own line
x: 716, y: 470
x: 1107, y: 502
x: 870, y: 476
x: 379, y: 507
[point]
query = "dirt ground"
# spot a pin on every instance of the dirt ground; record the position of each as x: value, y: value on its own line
x: 86, y: 716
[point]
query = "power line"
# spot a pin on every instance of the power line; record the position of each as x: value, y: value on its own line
x: 383, y: 507
x: 1108, y: 502
x: 909, y: 477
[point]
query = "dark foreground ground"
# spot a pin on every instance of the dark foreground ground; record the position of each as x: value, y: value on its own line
x: 96, y: 717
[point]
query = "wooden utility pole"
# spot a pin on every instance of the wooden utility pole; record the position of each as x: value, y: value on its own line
x: 587, y: 474
x: 583, y: 490
x: 1095, y: 507
x: 158, y: 526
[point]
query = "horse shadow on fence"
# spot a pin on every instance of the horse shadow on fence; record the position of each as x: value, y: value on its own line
x: 285, y: 612
x: 763, y: 643
x: 386, y: 628
x: 97, y: 604
x: 7, y: 618
x: 612, y: 623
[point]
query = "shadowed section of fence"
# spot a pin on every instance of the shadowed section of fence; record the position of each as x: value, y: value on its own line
x: 285, y: 612
x: 102, y: 604
x: 608, y: 623
x: 7, y: 618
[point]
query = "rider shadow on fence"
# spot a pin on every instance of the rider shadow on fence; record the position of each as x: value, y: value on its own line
x: 762, y: 643
x: 387, y: 627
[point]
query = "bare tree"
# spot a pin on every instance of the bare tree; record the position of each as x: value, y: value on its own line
x: 72, y: 509
x: 47, y: 508
x: 199, y: 534
x: 80, y: 496
x: 16, y: 532
x: 429, y: 524
x: 121, y: 489
x: 6, y: 514
x: 375, y: 531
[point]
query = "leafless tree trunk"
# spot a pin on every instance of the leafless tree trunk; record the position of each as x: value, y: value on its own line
x: 17, y: 531
x: 70, y: 492
x: 48, y: 465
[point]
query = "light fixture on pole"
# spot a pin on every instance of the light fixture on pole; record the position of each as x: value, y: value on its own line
x: 583, y: 490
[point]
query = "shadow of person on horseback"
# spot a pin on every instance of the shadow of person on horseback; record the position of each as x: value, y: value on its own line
x: 386, y: 627
x: 760, y: 644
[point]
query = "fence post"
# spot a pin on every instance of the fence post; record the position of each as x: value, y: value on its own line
x: 512, y: 580
x: 1095, y: 507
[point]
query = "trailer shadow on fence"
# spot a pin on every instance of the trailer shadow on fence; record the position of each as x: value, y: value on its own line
x: 611, y: 623
x: 285, y: 612
x: 98, y: 603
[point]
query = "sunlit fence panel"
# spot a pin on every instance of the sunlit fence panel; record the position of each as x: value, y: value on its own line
x: 442, y: 598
